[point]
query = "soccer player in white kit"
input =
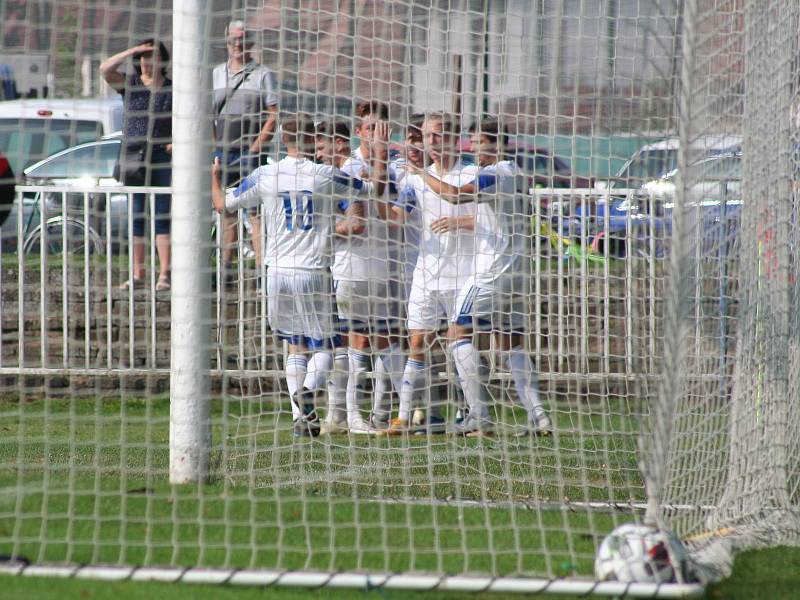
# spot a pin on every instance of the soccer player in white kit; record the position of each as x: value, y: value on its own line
x: 445, y: 258
x: 298, y: 202
x: 493, y: 299
x: 362, y: 272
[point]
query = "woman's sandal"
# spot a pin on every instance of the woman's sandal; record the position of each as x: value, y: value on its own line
x: 164, y: 284
x: 133, y: 282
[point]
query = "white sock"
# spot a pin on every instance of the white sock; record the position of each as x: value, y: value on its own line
x: 474, y: 374
x: 337, y: 384
x: 389, y: 368
x: 296, y: 365
x: 381, y: 394
x: 359, y: 368
x: 525, y: 381
x: 394, y: 362
x: 436, y: 392
x: 318, y: 368
x: 415, y: 376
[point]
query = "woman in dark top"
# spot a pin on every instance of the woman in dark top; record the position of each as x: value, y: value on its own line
x: 146, y: 145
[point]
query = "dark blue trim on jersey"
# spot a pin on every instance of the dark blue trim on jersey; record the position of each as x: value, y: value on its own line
x: 485, y: 181
x: 466, y: 306
x: 351, y: 181
x: 248, y: 182
x: 472, y: 321
x: 343, y: 205
x: 406, y: 199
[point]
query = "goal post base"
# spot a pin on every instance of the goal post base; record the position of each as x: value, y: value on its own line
x: 353, y: 580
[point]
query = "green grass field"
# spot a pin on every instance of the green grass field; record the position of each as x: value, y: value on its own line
x: 85, y: 481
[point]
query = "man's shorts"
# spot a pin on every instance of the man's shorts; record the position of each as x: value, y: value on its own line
x: 499, y: 305
x: 429, y: 309
x: 300, y: 306
x: 363, y: 306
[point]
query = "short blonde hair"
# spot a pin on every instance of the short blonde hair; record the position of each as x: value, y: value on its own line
x: 448, y: 121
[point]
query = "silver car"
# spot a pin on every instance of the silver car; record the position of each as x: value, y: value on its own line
x: 88, y: 165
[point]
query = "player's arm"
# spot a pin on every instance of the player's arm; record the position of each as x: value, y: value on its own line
x: 468, y: 192
x: 109, y: 68
x: 402, y: 205
x: 353, y: 222
x: 267, y: 131
x: 460, y: 223
x: 270, y: 100
x: 380, y: 169
x: 245, y: 196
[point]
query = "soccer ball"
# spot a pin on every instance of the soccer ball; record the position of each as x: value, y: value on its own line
x: 640, y: 554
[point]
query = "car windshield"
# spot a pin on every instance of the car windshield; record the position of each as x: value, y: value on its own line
x: 94, y: 160
x: 649, y: 164
x: 542, y: 164
x: 26, y: 141
x: 725, y: 168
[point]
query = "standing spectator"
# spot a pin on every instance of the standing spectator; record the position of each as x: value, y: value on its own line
x: 146, y: 145
x: 245, y: 113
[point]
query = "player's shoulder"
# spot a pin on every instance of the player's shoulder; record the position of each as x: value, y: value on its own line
x: 325, y: 171
x: 351, y: 166
x: 466, y: 167
x: 264, y: 175
x: 507, y: 167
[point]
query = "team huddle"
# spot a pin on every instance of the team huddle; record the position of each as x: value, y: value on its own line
x: 371, y: 259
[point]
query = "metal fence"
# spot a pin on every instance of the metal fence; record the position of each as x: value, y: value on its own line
x: 594, y: 311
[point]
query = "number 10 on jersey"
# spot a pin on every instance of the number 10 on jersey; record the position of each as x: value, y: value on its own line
x: 299, y: 209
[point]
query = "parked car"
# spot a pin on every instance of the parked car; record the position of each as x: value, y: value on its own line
x: 577, y: 217
x: 91, y: 164
x: 33, y: 129
x: 641, y: 223
x: 653, y: 161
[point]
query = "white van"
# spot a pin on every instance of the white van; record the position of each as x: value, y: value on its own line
x: 33, y: 129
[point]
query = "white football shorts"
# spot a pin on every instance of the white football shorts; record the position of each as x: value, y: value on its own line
x: 300, y: 306
x: 501, y: 305
x: 430, y: 309
x: 363, y: 306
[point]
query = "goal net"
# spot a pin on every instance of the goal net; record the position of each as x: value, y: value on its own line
x: 415, y: 294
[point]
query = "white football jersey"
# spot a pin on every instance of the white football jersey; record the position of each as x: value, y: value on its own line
x: 406, y: 200
x: 445, y: 259
x: 502, y: 222
x: 299, y: 203
x: 363, y: 257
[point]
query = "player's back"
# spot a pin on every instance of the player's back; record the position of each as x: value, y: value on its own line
x: 298, y: 213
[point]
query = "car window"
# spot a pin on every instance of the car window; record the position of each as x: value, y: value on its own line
x: 650, y: 164
x: 725, y: 168
x: 561, y: 166
x: 94, y: 160
x: 539, y: 163
x: 26, y: 141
